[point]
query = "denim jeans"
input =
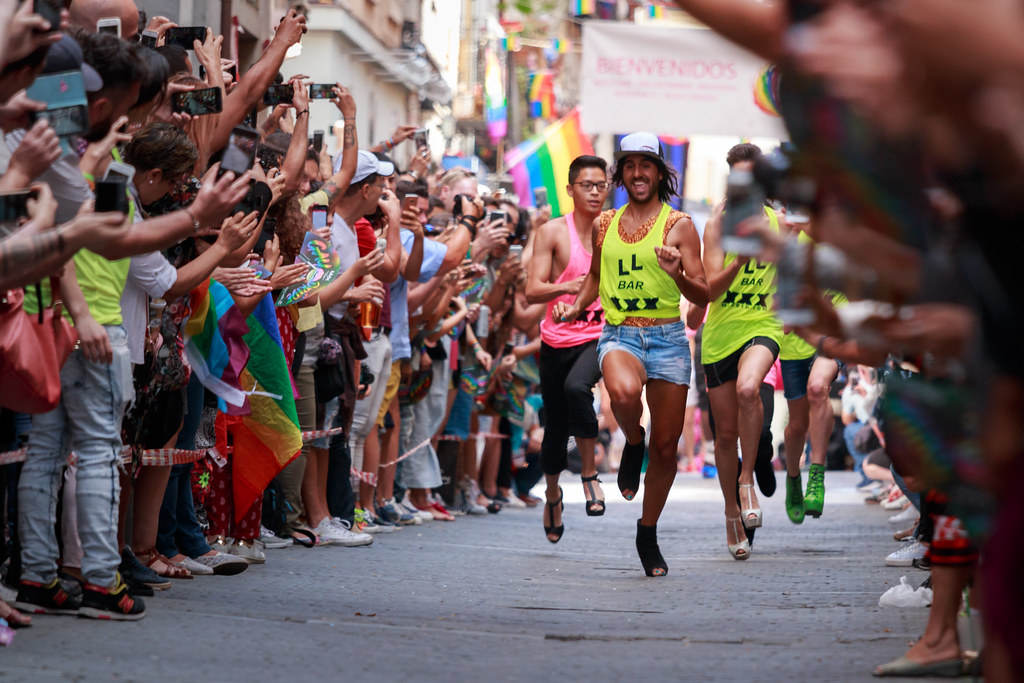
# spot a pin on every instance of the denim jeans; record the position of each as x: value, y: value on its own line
x: 849, y: 435
x: 179, y: 530
x: 88, y: 422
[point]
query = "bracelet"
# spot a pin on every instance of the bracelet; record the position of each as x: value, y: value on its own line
x: 195, y: 221
x: 300, y: 113
x: 387, y: 144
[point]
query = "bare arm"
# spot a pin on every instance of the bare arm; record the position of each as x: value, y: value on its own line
x: 296, y: 157
x: 757, y: 25
x: 539, y: 289
x: 718, y: 275
x: 249, y: 91
x: 689, y: 275
x: 591, y: 285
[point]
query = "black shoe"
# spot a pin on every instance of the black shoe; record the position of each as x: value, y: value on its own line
x: 630, y: 467
x: 765, y: 473
x: 549, y: 509
x: 138, y: 575
x: 49, y: 598
x: 647, y: 547
x: 72, y: 584
x: 116, y: 604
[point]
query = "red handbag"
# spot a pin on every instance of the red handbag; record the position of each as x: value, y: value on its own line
x: 33, y: 349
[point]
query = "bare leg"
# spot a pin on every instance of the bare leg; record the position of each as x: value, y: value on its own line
x: 667, y: 402
x: 314, y: 486
x: 689, y: 438
x: 149, y: 494
x: 552, y: 494
x: 754, y: 364
x: 371, y: 463
x: 490, y: 461
x: 796, y: 434
x: 823, y: 372
x: 723, y: 404
x: 624, y: 378
x: 940, y: 641
x: 389, y: 454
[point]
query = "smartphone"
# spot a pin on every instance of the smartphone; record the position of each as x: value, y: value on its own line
x: 14, y: 208
x: 540, y: 197
x: 266, y: 234
x: 409, y: 202
x: 111, y: 195
x: 319, y: 214
x: 49, y: 10
x: 240, y: 152
x: 198, y: 102
x: 496, y: 216
x: 744, y: 198
x: 420, y: 138
x: 321, y: 91
x: 256, y: 199
x: 148, y: 38
x: 109, y: 25
x: 66, y: 121
x: 119, y: 169
x: 251, y: 118
x: 318, y: 141
x: 184, y: 36
x: 278, y: 94
x: 382, y: 244
x: 792, y: 270
x: 515, y: 251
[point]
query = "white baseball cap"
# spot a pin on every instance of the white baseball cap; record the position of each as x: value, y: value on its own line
x: 640, y: 143
x: 367, y: 165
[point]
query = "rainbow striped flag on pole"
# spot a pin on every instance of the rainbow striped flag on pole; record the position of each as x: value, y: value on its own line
x: 541, y: 94
x: 582, y: 8
x: 494, y: 95
x: 544, y: 161
x: 266, y: 434
x: 213, y: 341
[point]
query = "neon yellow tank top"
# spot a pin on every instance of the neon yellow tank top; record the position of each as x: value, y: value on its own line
x: 744, y: 311
x: 633, y: 284
x: 795, y: 347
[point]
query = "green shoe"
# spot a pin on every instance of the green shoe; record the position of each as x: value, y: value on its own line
x: 814, y: 501
x: 795, y: 499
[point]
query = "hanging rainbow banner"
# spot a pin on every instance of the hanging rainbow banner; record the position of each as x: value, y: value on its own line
x: 766, y: 90
x: 582, y: 8
x: 494, y: 95
x: 655, y: 11
x: 541, y: 94
x: 544, y: 161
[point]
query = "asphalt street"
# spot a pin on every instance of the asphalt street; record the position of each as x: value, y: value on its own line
x: 489, y: 599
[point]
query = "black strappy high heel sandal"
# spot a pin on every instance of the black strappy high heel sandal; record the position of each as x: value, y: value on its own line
x: 630, y: 466
x: 647, y: 547
x: 550, y: 509
x: 592, y: 499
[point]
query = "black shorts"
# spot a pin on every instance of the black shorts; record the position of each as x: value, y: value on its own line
x: 728, y: 369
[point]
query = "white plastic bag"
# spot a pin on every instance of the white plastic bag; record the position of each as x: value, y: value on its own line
x: 905, y: 596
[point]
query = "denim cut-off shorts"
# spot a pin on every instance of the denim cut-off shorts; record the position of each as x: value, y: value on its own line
x: 664, y: 350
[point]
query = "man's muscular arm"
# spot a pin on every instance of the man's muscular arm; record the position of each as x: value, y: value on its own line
x: 689, y: 273
x: 539, y: 288
x: 591, y: 284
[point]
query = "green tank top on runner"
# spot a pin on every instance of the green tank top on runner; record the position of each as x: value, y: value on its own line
x: 633, y: 283
x: 744, y: 311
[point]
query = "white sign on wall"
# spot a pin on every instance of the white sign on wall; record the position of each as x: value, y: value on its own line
x: 671, y: 80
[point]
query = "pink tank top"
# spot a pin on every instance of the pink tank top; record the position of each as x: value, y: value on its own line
x: 590, y: 323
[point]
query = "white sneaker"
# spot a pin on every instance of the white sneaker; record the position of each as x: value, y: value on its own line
x: 896, y: 504
x: 272, y: 541
x: 349, y: 538
x: 197, y: 568
x: 905, y: 556
x: 223, y: 564
x: 423, y: 515
x: 514, y: 502
x: 248, y: 551
x: 908, y: 515
x: 219, y: 543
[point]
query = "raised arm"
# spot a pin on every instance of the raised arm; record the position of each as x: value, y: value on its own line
x: 680, y: 258
x: 295, y: 159
x: 249, y: 91
x: 718, y: 275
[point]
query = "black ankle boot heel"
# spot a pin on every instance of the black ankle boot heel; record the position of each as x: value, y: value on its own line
x: 647, y: 547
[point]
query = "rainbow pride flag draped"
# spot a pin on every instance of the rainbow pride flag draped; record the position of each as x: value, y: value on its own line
x: 265, y: 432
x: 494, y: 95
x: 541, y: 94
x: 582, y: 8
x: 544, y: 161
x: 213, y: 341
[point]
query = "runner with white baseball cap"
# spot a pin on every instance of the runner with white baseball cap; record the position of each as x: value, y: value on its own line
x: 645, y: 255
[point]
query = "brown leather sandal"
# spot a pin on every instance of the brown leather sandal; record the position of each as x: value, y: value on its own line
x: 161, y: 565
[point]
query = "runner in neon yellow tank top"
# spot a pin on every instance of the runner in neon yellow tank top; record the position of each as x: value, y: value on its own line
x: 807, y: 376
x: 740, y: 343
x: 644, y: 256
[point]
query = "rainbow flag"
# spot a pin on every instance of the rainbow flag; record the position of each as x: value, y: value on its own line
x: 583, y: 8
x: 510, y: 42
x: 561, y: 46
x: 541, y: 94
x: 655, y: 11
x: 544, y: 161
x: 213, y: 341
x: 266, y: 434
x: 494, y: 95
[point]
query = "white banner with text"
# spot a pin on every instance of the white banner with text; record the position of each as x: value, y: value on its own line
x: 674, y: 80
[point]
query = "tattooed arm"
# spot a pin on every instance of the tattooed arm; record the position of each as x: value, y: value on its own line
x: 339, y: 182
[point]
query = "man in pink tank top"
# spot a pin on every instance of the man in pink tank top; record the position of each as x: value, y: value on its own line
x: 568, y: 356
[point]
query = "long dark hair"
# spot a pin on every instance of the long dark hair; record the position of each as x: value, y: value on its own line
x: 667, y: 186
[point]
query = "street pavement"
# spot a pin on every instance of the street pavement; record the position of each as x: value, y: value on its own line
x: 489, y: 599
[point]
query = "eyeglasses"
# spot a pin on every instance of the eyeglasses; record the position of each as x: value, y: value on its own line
x: 587, y: 186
